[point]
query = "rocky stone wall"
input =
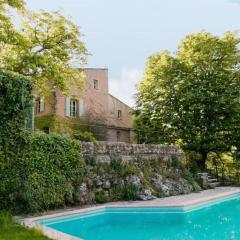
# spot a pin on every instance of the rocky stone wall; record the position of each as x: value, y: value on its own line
x: 133, y: 180
x: 121, y: 171
x: 105, y: 151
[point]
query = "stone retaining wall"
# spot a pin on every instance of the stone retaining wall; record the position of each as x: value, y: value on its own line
x: 105, y: 151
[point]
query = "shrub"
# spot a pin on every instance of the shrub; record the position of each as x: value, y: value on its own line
x: 85, y: 136
x: 117, y: 167
x: 15, y: 101
x: 130, y: 192
x: 45, y: 176
x: 175, y: 162
x: 101, y: 197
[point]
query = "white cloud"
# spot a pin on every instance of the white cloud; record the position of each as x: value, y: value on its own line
x: 124, y: 88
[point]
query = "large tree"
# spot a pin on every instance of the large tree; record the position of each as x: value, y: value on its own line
x: 7, y: 32
x: 192, y: 97
x: 45, y: 47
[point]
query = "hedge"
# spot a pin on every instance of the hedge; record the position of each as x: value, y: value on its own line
x: 15, y: 100
x: 45, y: 175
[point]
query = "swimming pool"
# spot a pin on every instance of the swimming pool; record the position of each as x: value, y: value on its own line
x: 215, y: 220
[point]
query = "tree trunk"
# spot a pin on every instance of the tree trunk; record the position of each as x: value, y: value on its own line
x: 202, y: 161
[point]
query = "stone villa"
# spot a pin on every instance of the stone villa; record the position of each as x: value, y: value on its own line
x: 92, y: 110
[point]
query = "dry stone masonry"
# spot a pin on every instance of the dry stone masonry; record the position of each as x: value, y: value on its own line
x: 121, y: 171
x: 105, y: 151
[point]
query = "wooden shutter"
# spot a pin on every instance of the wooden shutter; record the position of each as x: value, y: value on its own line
x: 67, y: 107
x: 80, y: 107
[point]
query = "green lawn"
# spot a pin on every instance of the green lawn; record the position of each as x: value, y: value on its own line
x: 12, y: 231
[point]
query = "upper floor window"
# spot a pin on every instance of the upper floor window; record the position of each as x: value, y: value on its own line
x: 40, y: 105
x: 73, y: 108
x: 119, y: 114
x: 95, y: 84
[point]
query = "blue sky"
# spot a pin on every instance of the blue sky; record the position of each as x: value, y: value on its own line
x: 121, y: 34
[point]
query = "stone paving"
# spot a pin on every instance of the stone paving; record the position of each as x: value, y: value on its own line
x: 173, y: 201
x: 182, y: 200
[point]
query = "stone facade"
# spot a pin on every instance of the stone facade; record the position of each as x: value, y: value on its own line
x: 105, y: 151
x: 95, y: 106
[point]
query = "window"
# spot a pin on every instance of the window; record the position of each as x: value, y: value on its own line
x: 40, y: 105
x: 119, y: 114
x: 118, y: 136
x: 46, y: 130
x: 95, y: 84
x: 73, y: 108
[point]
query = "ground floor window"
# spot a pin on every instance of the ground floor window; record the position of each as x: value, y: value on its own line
x: 118, y: 136
x: 46, y: 130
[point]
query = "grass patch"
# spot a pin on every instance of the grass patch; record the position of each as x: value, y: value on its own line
x: 13, y: 231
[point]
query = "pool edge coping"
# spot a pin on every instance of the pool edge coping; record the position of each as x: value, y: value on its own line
x: 32, y: 222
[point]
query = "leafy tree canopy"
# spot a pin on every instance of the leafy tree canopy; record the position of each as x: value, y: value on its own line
x: 192, y: 97
x: 45, y: 47
x: 7, y: 31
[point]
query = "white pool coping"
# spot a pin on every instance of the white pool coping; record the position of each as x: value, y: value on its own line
x: 180, y: 201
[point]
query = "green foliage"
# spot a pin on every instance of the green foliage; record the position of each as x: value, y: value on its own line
x: 192, y: 159
x: 130, y: 192
x: 74, y: 127
x: 118, y: 167
x: 84, y: 136
x: 192, y: 98
x: 101, y: 197
x: 175, y: 162
x: 130, y: 169
x: 225, y: 166
x: 9, y: 230
x: 46, y: 49
x: 116, y: 193
x: 15, y: 99
x: 8, y: 33
x: 44, y: 176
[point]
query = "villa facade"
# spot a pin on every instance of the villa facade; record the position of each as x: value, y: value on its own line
x: 92, y: 110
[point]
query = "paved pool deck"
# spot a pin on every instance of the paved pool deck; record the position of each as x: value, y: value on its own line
x: 179, y: 201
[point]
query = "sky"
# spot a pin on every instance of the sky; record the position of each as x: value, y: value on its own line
x: 121, y: 34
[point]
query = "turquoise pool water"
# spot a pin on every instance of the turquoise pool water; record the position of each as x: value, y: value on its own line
x: 219, y: 220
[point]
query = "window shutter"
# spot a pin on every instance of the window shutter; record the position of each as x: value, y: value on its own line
x: 80, y: 107
x: 42, y: 104
x: 67, y: 107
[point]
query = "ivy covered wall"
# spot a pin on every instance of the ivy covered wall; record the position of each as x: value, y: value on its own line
x: 78, y: 128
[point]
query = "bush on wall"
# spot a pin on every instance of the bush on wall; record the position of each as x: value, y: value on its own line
x: 15, y: 100
x: 45, y: 176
